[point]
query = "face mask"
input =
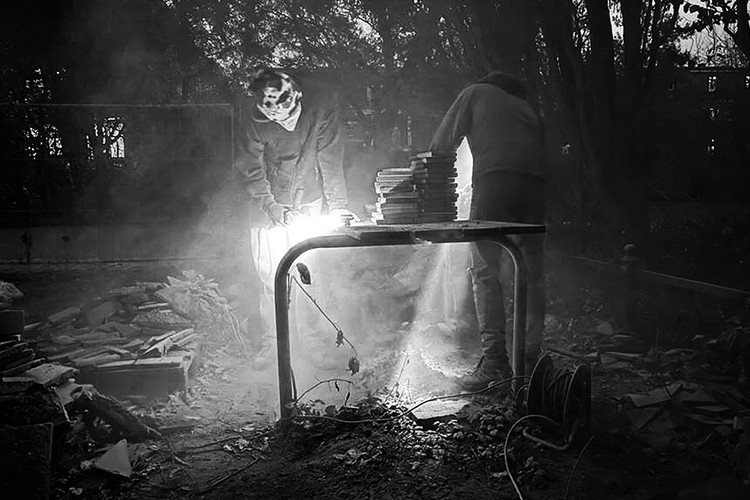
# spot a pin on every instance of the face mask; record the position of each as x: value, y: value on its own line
x: 281, y: 105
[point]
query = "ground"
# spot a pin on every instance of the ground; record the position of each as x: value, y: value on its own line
x: 231, y: 446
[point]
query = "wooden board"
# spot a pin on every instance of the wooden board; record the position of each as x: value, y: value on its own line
x: 50, y: 374
x: 148, y: 378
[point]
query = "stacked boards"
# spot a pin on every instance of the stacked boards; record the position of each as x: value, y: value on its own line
x: 425, y: 191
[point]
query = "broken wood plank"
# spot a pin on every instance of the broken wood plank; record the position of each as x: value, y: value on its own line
x: 50, y: 374
x: 113, y: 413
x: 18, y: 359
x: 154, y: 340
x: 145, y: 363
x: 14, y: 385
x: 6, y: 344
x: 655, y: 397
x: 97, y: 336
x: 100, y: 313
x: 64, y: 315
x: 95, y: 360
x: 11, y: 372
x: 12, y: 351
x: 133, y: 345
x: 185, y: 341
x: 125, y: 329
x: 65, y: 356
x: 68, y: 392
x: 127, y: 382
x: 155, y: 305
x: 165, y: 342
x: 31, y: 327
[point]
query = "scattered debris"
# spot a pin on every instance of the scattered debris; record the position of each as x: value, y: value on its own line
x: 115, y: 461
x: 8, y: 294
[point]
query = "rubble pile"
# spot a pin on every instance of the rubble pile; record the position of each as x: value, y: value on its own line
x: 60, y: 377
x: 694, y: 400
x: 140, y: 339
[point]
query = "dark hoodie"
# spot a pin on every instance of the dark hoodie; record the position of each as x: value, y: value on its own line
x: 294, y: 168
x: 502, y: 129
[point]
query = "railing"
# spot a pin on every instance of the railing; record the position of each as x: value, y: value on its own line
x: 633, y: 277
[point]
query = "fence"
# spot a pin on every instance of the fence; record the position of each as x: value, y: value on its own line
x: 89, y: 163
x: 632, y: 279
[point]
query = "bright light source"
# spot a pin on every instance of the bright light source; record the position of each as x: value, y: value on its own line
x: 309, y: 226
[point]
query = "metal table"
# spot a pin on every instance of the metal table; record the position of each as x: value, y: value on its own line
x: 405, y: 234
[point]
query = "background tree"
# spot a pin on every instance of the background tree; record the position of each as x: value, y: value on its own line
x: 732, y: 15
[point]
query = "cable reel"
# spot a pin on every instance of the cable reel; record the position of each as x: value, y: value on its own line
x: 561, y: 397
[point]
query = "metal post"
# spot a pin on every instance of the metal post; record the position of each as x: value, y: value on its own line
x: 519, y: 308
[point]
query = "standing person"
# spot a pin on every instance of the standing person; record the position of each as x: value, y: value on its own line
x: 290, y: 156
x: 505, y: 137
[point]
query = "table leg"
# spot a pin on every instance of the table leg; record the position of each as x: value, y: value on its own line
x: 519, y: 307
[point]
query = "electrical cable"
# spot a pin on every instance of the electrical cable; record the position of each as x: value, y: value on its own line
x: 339, y: 331
x: 406, y: 412
x: 505, y: 448
x: 561, y: 396
x: 575, y: 466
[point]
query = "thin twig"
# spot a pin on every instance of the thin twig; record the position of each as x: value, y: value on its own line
x: 221, y: 480
x: 575, y: 466
x: 324, y: 382
x: 333, y: 324
x: 224, y: 440
x: 400, y: 373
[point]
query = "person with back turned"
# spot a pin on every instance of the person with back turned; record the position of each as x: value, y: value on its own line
x: 505, y: 136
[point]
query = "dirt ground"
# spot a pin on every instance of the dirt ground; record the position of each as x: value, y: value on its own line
x: 232, y: 447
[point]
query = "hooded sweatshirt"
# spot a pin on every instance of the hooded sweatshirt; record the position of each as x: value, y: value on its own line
x: 502, y: 130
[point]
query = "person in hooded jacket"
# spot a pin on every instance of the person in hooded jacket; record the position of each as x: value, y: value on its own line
x: 505, y: 136
x: 290, y: 157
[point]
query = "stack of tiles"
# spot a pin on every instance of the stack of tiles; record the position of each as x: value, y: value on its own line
x: 425, y: 191
x: 434, y: 174
x: 398, y: 199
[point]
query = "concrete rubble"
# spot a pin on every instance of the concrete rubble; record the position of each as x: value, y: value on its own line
x: 60, y: 378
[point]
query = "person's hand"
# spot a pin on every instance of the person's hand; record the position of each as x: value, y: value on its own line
x: 341, y: 213
x: 278, y: 213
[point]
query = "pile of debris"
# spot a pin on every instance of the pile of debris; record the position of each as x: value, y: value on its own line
x: 59, y: 377
x: 140, y: 339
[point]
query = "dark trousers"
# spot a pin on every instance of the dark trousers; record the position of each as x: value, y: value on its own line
x: 507, y: 197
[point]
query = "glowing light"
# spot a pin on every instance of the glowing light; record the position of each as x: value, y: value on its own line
x: 308, y: 226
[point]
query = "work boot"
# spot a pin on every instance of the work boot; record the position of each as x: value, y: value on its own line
x: 488, y: 370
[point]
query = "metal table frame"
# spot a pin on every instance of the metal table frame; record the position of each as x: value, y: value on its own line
x: 407, y: 234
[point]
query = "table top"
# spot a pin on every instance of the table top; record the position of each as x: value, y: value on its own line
x: 441, y: 231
